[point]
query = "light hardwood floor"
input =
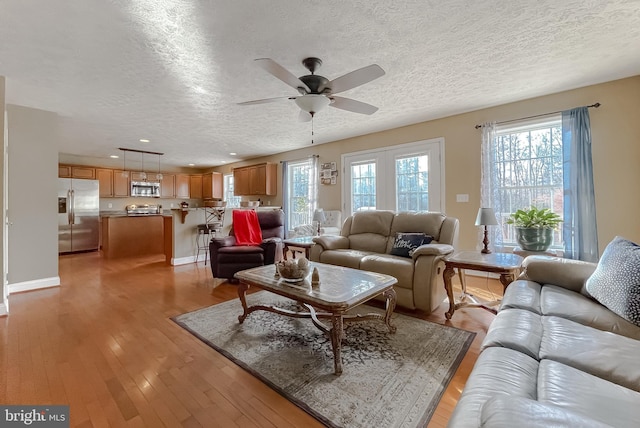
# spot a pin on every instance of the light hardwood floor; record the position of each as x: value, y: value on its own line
x: 103, y: 343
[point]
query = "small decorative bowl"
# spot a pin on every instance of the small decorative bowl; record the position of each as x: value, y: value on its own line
x: 291, y: 272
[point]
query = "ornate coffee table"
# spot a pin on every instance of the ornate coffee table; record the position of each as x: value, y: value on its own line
x: 339, y: 290
x: 506, y: 264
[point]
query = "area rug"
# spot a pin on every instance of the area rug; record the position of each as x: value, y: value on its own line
x: 388, y: 380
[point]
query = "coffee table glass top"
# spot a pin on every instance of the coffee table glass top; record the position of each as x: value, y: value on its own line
x: 338, y: 285
x: 299, y: 240
x: 496, y: 260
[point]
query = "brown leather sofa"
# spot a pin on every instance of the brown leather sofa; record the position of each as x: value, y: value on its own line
x: 366, y: 242
x: 227, y: 258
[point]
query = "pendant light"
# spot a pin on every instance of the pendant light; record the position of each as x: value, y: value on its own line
x: 159, y: 174
x: 125, y: 173
x: 143, y: 175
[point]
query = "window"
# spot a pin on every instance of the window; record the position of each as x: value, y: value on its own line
x: 526, y: 165
x: 408, y: 177
x: 232, y: 200
x: 300, y: 191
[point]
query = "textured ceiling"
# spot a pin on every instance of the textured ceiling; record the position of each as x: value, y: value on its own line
x: 174, y: 71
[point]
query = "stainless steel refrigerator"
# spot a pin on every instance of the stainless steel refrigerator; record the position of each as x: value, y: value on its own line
x: 78, y: 215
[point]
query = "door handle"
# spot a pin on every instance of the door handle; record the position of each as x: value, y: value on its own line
x: 72, y: 211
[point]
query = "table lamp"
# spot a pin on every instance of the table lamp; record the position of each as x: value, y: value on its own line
x: 318, y: 216
x: 486, y: 217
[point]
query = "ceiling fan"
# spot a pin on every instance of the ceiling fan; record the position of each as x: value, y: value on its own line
x: 317, y: 92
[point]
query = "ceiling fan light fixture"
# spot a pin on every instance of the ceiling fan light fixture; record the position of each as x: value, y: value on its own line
x: 312, y: 103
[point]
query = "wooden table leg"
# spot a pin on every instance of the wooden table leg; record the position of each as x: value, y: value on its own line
x: 448, y: 273
x: 337, y: 333
x: 390, y: 296
x: 506, y: 279
x: 242, y: 294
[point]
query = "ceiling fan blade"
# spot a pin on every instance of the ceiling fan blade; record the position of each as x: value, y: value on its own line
x: 303, y: 116
x: 352, y: 105
x: 263, y: 101
x: 356, y: 78
x: 282, y: 73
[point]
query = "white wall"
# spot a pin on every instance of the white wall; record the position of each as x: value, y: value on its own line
x: 32, y: 198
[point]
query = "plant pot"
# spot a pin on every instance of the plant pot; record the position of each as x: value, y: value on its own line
x: 534, y: 239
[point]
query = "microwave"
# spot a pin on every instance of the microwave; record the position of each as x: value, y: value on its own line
x: 146, y: 189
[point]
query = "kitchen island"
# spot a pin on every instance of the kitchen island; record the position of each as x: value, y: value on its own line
x: 132, y: 235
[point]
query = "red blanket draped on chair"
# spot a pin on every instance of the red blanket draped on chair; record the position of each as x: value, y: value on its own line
x: 246, y: 227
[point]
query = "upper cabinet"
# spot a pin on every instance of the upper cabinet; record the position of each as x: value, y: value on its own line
x: 182, y: 186
x: 256, y: 180
x: 168, y: 186
x: 212, y: 185
x: 73, y: 171
x: 195, y: 186
x: 105, y: 181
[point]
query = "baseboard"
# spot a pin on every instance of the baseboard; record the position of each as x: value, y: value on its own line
x: 4, y: 309
x: 35, y: 284
x: 187, y: 260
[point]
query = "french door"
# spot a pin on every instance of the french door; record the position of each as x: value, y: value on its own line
x: 408, y: 177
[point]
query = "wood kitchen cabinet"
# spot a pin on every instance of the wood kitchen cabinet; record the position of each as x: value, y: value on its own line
x: 120, y: 184
x: 105, y: 181
x: 255, y: 180
x: 168, y: 186
x: 195, y: 186
x: 182, y: 186
x: 212, y: 185
x: 74, y: 171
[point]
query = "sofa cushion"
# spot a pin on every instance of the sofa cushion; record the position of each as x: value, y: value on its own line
x: 346, y: 258
x: 560, y: 302
x: 603, y: 354
x: 405, y: 243
x: 586, y: 394
x: 502, y: 410
x: 616, y: 281
x: 516, y: 329
x: 399, y: 267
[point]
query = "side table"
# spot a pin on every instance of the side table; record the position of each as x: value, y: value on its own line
x: 507, y: 265
x: 302, y: 242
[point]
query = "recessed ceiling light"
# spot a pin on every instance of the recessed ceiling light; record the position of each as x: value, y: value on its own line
x: 232, y: 153
x: 144, y: 140
x: 224, y: 161
x: 192, y: 164
x: 114, y: 156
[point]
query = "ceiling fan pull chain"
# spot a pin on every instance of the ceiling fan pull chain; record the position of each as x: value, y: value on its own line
x: 311, y: 129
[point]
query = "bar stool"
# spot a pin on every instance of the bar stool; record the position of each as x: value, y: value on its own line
x: 204, y: 233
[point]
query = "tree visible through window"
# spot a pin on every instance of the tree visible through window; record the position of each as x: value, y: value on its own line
x: 232, y: 200
x: 527, y: 168
x: 301, y: 192
x: 412, y: 183
x: 363, y: 180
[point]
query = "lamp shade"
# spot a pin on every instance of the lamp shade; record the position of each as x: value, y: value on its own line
x: 318, y: 215
x: 486, y: 217
x: 312, y: 103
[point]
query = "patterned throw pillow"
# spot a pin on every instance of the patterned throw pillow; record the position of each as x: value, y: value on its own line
x: 406, y: 243
x: 616, y: 281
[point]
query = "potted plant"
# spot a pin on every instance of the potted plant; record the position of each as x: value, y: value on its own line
x: 534, y: 227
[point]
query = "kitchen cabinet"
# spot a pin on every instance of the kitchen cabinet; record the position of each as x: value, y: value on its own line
x: 73, y: 171
x: 255, y: 180
x: 182, y: 186
x: 195, y: 186
x: 168, y: 186
x: 212, y: 185
x: 120, y: 184
x: 105, y: 181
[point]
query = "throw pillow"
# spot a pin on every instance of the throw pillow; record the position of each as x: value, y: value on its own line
x: 616, y: 281
x: 406, y: 243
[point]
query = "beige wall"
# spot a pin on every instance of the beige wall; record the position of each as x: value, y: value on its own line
x: 33, y: 190
x: 3, y: 285
x: 616, y: 153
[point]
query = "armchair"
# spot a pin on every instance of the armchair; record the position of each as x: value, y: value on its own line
x: 227, y: 258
